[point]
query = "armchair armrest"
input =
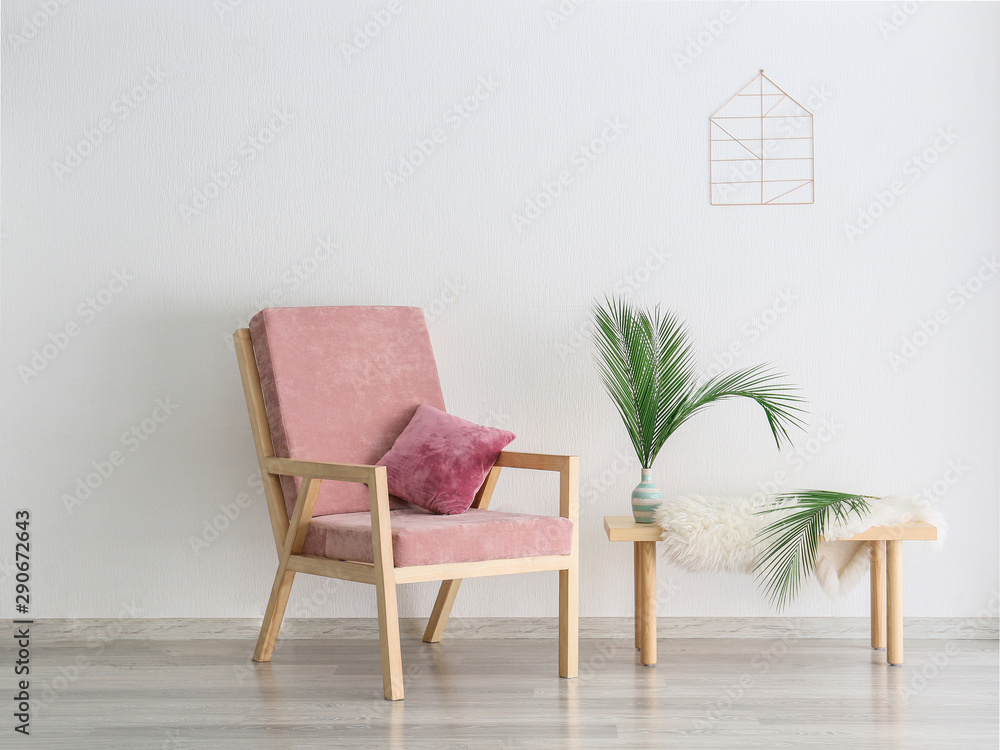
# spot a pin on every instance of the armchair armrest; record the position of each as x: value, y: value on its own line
x: 313, y: 473
x: 360, y: 473
x: 569, y: 478
x: 537, y: 461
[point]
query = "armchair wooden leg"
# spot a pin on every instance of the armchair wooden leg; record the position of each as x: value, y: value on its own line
x: 385, y: 588
x: 295, y: 537
x: 569, y: 621
x: 442, y: 610
x: 274, y: 614
x: 388, y: 633
x: 569, y: 579
x: 877, y: 570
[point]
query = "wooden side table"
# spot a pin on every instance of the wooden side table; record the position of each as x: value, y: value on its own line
x: 886, y: 555
x: 644, y: 537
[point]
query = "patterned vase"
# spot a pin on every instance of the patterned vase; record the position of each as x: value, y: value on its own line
x: 646, y: 498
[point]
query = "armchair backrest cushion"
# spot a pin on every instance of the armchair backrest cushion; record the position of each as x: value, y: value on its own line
x: 340, y: 384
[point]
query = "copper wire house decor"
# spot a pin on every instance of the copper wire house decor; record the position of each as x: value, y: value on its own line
x: 762, y: 149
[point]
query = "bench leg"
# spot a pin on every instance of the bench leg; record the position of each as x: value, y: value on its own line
x: 877, y: 569
x: 894, y: 581
x: 647, y: 600
x: 637, y: 581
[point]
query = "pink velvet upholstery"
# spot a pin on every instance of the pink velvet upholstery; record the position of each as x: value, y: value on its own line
x: 439, y: 461
x: 423, y: 538
x: 340, y: 384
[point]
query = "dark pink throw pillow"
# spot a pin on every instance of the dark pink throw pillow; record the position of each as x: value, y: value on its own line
x: 439, y: 461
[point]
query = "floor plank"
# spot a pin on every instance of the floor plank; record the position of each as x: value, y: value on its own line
x: 504, y: 694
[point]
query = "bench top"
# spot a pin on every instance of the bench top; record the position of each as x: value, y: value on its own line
x: 625, y: 529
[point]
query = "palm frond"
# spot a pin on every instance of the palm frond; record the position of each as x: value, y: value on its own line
x: 760, y: 384
x: 647, y: 365
x: 792, y: 539
x: 621, y: 350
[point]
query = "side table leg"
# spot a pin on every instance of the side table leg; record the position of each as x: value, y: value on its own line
x: 877, y: 566
x: 647, y: 597
x: 894, y: 580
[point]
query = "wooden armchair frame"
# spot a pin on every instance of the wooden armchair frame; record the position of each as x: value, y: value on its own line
x: 290, y: 535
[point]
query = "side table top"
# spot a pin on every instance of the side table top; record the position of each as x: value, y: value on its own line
x: 625, y: 529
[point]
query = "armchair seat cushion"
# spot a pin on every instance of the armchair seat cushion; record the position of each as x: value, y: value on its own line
x: 423, y: 538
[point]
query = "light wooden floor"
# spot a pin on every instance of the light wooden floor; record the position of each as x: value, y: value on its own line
x: 711, y: 693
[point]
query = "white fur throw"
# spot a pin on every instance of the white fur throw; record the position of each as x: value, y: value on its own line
x: 714, y: 533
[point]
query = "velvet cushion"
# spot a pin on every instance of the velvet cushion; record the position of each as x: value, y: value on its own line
x: 339, y: 384
x: 423, y: 538
x: 439, y: 461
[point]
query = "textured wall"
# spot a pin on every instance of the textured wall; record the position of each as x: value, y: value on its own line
x: 170, y: 168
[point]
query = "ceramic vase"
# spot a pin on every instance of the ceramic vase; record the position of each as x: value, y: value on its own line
x: 646, y: 498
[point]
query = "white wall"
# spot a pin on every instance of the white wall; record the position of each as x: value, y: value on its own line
x: 507, y: 306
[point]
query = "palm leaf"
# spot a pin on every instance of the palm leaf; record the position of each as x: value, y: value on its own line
x: 621, y: 350
x: 759, y: 383
x: 791, y: 541
x: 648, y: 368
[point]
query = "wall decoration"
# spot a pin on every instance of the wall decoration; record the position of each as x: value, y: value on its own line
x: 762, y: 149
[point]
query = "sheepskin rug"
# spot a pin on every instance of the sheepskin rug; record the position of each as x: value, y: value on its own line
x: 717, y: 534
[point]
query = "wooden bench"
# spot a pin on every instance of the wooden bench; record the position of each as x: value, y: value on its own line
x: 886, y: 556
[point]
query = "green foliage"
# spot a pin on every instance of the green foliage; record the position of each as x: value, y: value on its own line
x: 791, y: 540
x: 648, y: 368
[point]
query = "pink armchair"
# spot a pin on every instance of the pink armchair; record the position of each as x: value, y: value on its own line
x: 328, y: 390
